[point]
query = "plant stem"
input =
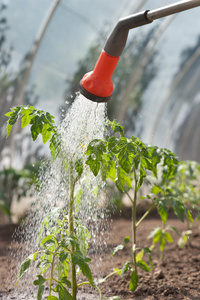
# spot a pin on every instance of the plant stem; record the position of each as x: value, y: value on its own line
x: 134, y: 223
x: 51, y: 274
x: 162, y: 251
x: 71, y: 228
x: 145, y: 215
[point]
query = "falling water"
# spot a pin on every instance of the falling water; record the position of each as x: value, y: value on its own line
x: 84, y: 122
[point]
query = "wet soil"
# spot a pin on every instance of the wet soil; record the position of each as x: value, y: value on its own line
x: 177, y: 278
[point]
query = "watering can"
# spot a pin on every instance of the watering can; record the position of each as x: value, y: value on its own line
x: 97, y: 85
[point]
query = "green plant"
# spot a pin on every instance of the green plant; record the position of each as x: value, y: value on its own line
x: 127, y: 162
x: 179, y: 192
x: 63, y: 240
x: 161, y: 235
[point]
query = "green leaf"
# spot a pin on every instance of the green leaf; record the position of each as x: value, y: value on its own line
x: 23, y: 268
x: 116, y: 249
x: 156, y: 234
x: 79, y: 260
x: 66, y: 281
x: 126, y: 154
x: 52, y: 298
x: 116, y: 127
x: 142, y: 264
x: 122, y: 180
x: 95, y: 151
x: 189, y: 215
x: 156, y: 189
x: 43, y: 265
x: 14, y: 115
x: 162, y: 242
x: 168, y: 237
x: 126, y: 240
x: 25, y: 117
x: 40, y: 280
x: 47, y: 241
x: 94, y: 165
x: 134, y: 281
x: 139, y: 256
x: 63, y: 255
x: 54, y: 145
x: 8, y: 129
x: 142, y: 176
x: 40, y: 292
x: 46, y: 134
x: 179, y: 210
x: 64, y: 294
x: 125, y: 268
x: 163, y: 211
x: 79, y: 167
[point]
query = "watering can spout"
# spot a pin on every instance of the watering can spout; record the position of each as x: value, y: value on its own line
x: 97, y: 85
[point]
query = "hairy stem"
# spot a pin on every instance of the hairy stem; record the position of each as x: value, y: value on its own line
x: 162, y: 251
x: 134, y: 223
x: 51, y: 274
x: 71, y: 228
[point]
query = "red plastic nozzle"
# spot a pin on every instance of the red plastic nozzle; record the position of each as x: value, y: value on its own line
x: 97, y: 85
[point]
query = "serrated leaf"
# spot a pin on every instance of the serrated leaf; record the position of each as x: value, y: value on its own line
x: 163, y: 211
x: 142, y: 264
x: 8, y: 129
x: 64, y: 294
x: 79, y: 260
x: 14, y: 115
x: 95, y: 151
x: 179, y: 210
x: 63, y: 255
x: 25, y: 118
x: 94, y: 165
x: 126, y: 154
x: 46, y: 134
x: 134, y: 281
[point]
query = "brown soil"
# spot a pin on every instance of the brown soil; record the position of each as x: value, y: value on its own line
x: 178, y: 278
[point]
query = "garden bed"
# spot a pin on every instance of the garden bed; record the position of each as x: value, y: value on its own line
x: 177, y: 278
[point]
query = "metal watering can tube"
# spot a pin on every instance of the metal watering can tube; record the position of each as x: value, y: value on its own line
x: 97, y: 85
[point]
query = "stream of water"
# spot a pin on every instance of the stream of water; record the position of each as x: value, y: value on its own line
x: 84, y: 122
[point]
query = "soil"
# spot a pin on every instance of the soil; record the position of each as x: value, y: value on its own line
x: 177, y: 278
